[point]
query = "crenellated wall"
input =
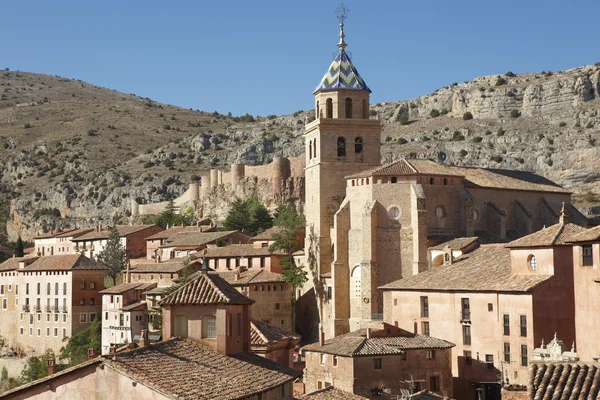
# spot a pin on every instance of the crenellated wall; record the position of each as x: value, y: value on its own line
x: 281, y: 180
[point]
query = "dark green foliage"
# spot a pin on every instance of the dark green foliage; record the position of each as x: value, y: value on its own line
x: 500, y: 132
x: 463, y: 153
x: 434, y: 113
x: 27, y: 126
x: 589, y: 197
x: 402, y: 141
x: 562, y: 124
x: 76, y: 349
x: 467, y: 116
x: 510, y: 74
x: 515, y: 114
x: 458, y: 136
x: 500, y: 81
x: 589, y: 125
x: 477, y: 139
x: 496, y: 158
x: 248, y: 215
x: 91, y: 132
x: 403, y: 117
x: 169, y: 217
x: 114, y: 255
x: 36, y: 368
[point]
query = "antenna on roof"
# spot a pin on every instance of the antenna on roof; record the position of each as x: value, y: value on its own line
x: 412, y: 384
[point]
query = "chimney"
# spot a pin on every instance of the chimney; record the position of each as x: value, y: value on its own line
x: 322, y: 339
x: 144, y: 342
x: 237, y: 274
x: 112, y: 349
x: 92, y: 354
x: 131, y: 346
x: 369, y: 332
x: 50, y: 364
x: 415, y: 327
x: 564, y: 215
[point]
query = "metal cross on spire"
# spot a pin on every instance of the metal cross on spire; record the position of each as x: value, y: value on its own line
x: 342, y: 13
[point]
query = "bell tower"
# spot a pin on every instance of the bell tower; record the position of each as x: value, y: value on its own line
x: 342, y: 140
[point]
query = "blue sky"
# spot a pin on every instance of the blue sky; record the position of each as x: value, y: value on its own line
x: 266, y: 57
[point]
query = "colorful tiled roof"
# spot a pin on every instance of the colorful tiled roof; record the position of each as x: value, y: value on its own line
x: 356, y: 344
x: 555, y: 235
x: 474, y: 177
x: 263, y: 334
x: 485, y: 269
x: 206, y: 289
x: 184, y: 369
x: 564, y: 381
x: 64, y: 263
x: 342, y: 74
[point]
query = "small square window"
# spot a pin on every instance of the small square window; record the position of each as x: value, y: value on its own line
x: 431, y: 354
x: 377, y: 363
x: 82, y: 317
x: 82, y: 302
x: 490, y: 307
x: 277, y: 306
x: 92, y: 285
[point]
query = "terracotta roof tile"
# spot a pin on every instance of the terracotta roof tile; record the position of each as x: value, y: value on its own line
x: 206, y: 289
x: 12, y: 264
x: 185, y: 369
x: 458, y: 243
x: 124, y: 287
x: 167, y: 233
x: 474, y: 177
x: 250, y: 276
x: 356, y: 344
x: 486, y: 269
x: 588, y: 235
x: 268, y: 234
x: 332, y: 393
x: 168, y: 267
x: 63, y: 263
x: 236, y: 250
x: 564, y: 381
x: 124, y: 230
x: 555, y: 235
x: 74, y: 233
x: 197, y: 239
x: 263, y: 334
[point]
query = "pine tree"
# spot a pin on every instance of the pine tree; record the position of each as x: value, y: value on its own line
x: 20, y: 250
x: 249, y: 216
x: 114, y: 255
x: 76, y: 349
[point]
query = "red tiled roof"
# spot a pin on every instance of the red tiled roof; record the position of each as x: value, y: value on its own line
x: 196, y: 239
x: 167, y: 233
x: 268, y: 234
x: 63, y: 263
x: 486, y: 269
x: 555, y: 235
x: 206, y: 289
x: 250, y: 276
x: 457, y: 244
x: 331, y: 393
x: 184, y: 369
x: 236, y: 250
x: 12, y: 264
x: 262, y: 334
x: 588, y: 235
x: 124, y: 230
x: 125, y: 287
x: 168, y: 267
x: 564, y: 381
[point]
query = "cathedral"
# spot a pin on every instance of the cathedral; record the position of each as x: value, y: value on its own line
x: 370, y: 224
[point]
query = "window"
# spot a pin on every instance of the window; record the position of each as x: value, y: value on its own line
x: 335, y: 361
x: 431, y: 354
x: 56, y: 288
x: 424, y: 307
x: 92, y: 317
x: 467, y: 335
x: 434, y: 384
x: 92, y: 302
x: 4, y: 304
x: 476, y: 215
x: 426, y: 328
x: 377, y: 363
x: 209, y: 327
x: 395, y: 212
x: 39, y: 288
x: 431, y: 181
x: 27, y: 289
x: 323, y: 358
x: 445, y: 181
x: 48, y: 332
x: 229, y: 325
x: 82, y: 302
x: 83, y: 317
x: 465, y: 309
x: 507, y: 353
x: 329, y: 108
x: 394, y: 179
x: 348, y: 108
x: 395, y: 302
x: 21, y: 331
x: 55, y: 332
x: 39, y: 332
x: 64, y: 333
x: 468, y: 358
x: 403, y: 356
x: 490, y: 307
x: 365, y: 109
x: 506, y: 324
x: 65, y: 289
x: 587, y: 259
x: 310, y: 150
x: 531, y: 260
x: 523, y: 325
x: 341, y: 147
x: 358, y: 145
x: 180, y: 326
x: 440, y: 212
x: 524, y: 355
x: 489, y: 360
x: 92, y: 285
x: 82, y: 286
x: 315, y: 148
x: 239, y: 324
x: 48, y: 288
x: 277, y: 306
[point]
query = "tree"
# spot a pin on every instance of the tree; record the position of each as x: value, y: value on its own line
x: 36, y: 368
x: 114, y: 255
x: 286, y: 240
x: 249, y: 216
x: 403, y: 117
x: 76, y: 349
x: 169, y: 217
x: 20, y: 250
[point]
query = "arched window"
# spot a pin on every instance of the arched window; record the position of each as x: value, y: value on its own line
x: 348, y: 108
x: 358, y: 145
x: 431, y: 181
x: 365, y: 109
x: 329, y: 109
x: 532, y: 262
x: 310, y: 149
x: 315, y: 148
x: 209, y: 327
x: 341, y: 147
x: 317, y: 116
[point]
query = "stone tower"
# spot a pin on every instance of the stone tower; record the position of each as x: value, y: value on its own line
x: 341, y: 141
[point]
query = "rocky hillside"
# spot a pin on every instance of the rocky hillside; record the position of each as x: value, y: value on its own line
x: 72, y: 150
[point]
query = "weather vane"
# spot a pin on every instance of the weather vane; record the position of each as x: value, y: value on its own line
x: 342, y: 12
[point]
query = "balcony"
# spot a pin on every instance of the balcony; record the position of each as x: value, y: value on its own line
x: 47, y: 309
x: 37, y: 308
x: 465, y: 316
x: 64, y: 309
x: 55, y: 309
x: 26, y: 307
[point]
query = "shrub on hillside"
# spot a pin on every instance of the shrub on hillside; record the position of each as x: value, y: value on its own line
x: 500, y: 81
x: 434, y: 113
x: 467, y: 116
x: 510, y: 74
x: 515, y: 114
x: 403, y: 117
